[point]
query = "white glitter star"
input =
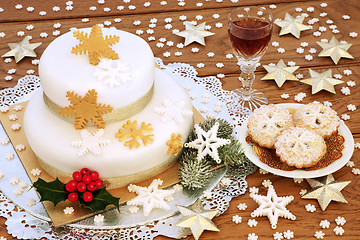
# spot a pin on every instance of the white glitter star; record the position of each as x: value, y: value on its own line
x: 207, y: 142
x: 150, y: 197
x: 272, y: 206
x: 90, y: 142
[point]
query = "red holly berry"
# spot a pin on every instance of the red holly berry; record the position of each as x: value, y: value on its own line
x: 99, y: 183
x: 85, y: 171
x: 77, y: 176
x: 71, y: 186
x: 81, y: 187
x: 92, y: 186
x: 94, y: 176
x: 86, y: 179
x: 73, y: 197
x: 88, y: 197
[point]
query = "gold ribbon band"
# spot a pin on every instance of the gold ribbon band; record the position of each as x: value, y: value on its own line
x: 114, y: 182
x: 116, y: 115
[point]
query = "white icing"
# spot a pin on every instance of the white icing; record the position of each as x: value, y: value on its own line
x: 61, y: 71
x: 113, y: 72
x: 49, y: 136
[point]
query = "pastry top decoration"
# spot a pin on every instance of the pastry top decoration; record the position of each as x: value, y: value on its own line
x: 85, y: 109
x: 95, y: 45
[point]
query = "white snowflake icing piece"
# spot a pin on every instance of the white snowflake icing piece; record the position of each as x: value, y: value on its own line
x: 298, y: 180
x: 347, y: 72
x: 328, y: 104
x: 90, y: 142
x: 31, y: 202
x: 4, y: 141
x: 303, y: 192
x: 263, y: 171
x: 355, y: 171
x: 319, y: 234
x: 133, y: 209
x: 340, y: 221
x: 236, y: 219
x: 35, y: 172
x: 15, y: 127
x: 113, y: 72
x: 68, y: 210
x: 1, y: 174
x: 357, y: 145
x: 18, y: 108
x: 350, y: 83
x: 272, y: 206
x: 207, y: 194
x: 324, y: 224
x: 207, y: 142
x: 254, y: 190
x: 266, y: 183
x: 9, y: 156
x: 252, y: 223
x: 178, y: 187
x: 18, y: 191
x: 339, y: 231
x: 252, y: 236
x: 173, y: 111
x: 284, y: 96
x: 345, y: 117
x: 310, y: 207
x: 288, y: 234
x: 20, y: 147
x: 350, y: 164
x: 351, y: 107
x: 150, y: 197
x: 242, y: 206
x: 278, y: 236
x: 226, y: 181
x: 23, y: 184
x: 99, y: 218
x: 14, y: 180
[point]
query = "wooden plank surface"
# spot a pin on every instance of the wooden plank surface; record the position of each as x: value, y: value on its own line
x: 12, y: 21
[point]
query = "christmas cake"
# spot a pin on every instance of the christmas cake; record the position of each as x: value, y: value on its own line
x: 105, y: 106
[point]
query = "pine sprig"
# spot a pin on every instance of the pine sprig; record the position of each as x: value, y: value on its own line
x: 232, y: 154
x: 192, y: 173
x: 225, y: 129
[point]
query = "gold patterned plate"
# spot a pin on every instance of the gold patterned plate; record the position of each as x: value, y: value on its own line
x: 333, y: 167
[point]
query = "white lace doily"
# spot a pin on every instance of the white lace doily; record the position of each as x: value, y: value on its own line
x: 22, y: 225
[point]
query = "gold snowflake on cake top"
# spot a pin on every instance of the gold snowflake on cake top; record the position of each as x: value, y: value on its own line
x: 85, y: 109
x: 129, y: 131
x: 95, y: 45
x: 174, y: 144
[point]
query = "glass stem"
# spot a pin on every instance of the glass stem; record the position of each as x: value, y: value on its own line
x: 247, y: 78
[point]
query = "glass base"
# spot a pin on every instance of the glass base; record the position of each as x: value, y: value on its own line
x: 252, y: 100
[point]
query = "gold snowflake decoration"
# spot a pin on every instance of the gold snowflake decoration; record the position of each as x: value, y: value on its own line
x: 174, y: 144
x: 85, y: 109
x: 95, y: 45
x: 129, y: 131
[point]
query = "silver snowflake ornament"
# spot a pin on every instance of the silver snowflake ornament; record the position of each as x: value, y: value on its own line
x: 173, y: 111
x: 90, y: 142
x: 207, y: 142
x: 113, y: 72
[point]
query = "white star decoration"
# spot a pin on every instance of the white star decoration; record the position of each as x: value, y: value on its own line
x: 173, y: 111
x: 113, y: 72
x: 292, y: 25
x: 280, y: 73
x: 194, y: 33
x: 151, y: 197
x: 335, y: 50
x: 272, y: 206
x: 90, y: 142
x: 207, y: 142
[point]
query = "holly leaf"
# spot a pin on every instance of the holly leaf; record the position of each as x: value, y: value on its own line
x: 101, y: 199
x: 54, y: 191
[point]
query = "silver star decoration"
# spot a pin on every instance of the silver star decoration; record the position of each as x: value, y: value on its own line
x: 194, y: 33
x: 335, y: 50
x: 197, y: 219
x: 321, y: 81
x: 207, y: 142
x: 280, y: 73
x: 292, y: 25
x: 326, y: 189
x: 21, y: 49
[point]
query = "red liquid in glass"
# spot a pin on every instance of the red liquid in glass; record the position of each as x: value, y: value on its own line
x: 250, y: 37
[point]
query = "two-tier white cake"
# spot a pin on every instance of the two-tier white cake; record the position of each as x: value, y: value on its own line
x: 135, y: 90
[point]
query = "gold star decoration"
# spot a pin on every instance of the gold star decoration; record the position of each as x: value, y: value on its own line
x: 197, y: 219
x: 85, y: 109
x: 292, y: 25
x: 95, y: 45
x: 335, y: 50
x: 194, y: 33
x: 22, y: 49
x: 321, y: 81
x: 326, y: 189
x: 280, y: 73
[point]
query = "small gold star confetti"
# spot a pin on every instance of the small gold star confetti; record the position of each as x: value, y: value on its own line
x: 280, y: 73
x: 335, y: 50
x: 292, y: 25
x: 326, y: 189
x: 321, y: 81
x: 194, y: 33
x: 22, y: 49
x: 197, y: 218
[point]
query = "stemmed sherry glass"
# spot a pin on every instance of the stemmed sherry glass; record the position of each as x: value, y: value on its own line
x: 249, y: 30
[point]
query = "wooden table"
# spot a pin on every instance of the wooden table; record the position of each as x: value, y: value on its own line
x: 13, y: 20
